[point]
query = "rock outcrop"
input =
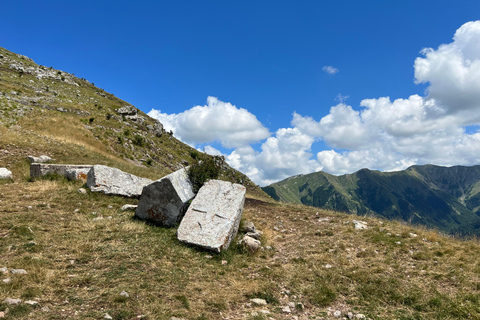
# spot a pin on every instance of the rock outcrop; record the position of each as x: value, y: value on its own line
x: 5, y: 173
x: 113, y: 181
x: 164, y: 201
x: 213, y: 218
x: 70, y: 171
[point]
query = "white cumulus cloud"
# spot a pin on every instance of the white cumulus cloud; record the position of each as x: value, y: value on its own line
x: 217, y: 121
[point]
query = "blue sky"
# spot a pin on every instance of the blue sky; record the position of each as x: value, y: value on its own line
x: 264, y: 64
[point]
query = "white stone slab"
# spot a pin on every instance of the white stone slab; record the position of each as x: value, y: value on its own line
x: 212, y: 220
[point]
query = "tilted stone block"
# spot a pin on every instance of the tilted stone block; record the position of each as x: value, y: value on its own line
x: 164, y: 201
x: 70, y: 171
x: 213, y: 217
x: 113, y: 181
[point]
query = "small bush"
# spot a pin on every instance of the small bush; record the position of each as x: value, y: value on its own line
x: 194, y: 154
x: 139, y: 141
x: 202, y: 171
x: 126, y: 132
x: 91, y: 120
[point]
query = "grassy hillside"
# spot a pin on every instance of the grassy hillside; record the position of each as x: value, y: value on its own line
x: 438, y: 197
x: 80, y: 251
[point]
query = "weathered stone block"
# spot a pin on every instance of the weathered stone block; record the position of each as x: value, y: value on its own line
x: 41, y: 159
x: 213, y: 217
x: 113, y: 181
x: 164, y: 201
x: 66, y: 170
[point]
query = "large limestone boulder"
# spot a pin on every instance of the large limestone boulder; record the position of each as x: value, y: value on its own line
x: 164, y: 201
x: 5, y: 173
x: 212, y: 219
x: 113, y: 181
x: 70, y: 171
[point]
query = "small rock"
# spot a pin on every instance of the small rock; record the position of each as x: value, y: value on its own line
x: 259, y: 302
x: 82, y: 191
x: 107, y: 316
x: 97, y: 218
x: 224, y: 262
x: 175, y: 318
x: 286, y: 309
x: 46, y: 309
x: 124, y: 294
x: 129, y: 207
x: 398, y: 242
x: 110, y: 206
x: 76, y: 210
x: 412, y: 235
x: 31, y: 302
x: 5, y: 173
x: 255, y: 235
x: 12, y: 302
x: 337, y: 314
x: 2, y: 314
x: 350, y: 315
x: 4, y: 270
x: 360, y: 316
x: 291, y: 305
x: 250, y: 244
x: 249, y: 227
x: 7, y: 280
x: 359, y: 225
x: 18, y: 271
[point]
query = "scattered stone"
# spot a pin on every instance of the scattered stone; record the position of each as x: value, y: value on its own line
x: 5, y: 173
x: 82, y: 191
x: 412, y: 235
x: 124, y: 294
x: 350, y: 315
x: 164, y: 201
x: 337, y: 314
x: 286, y: 309
x: 110, y: 206
x: 2, y: 314
x: 107, y: 316
x: 360, y: 224
x: 213, y: 218
x: 127, y: 110
x: 46, y: 309
x: 41, y: 159
x: 250, y: 244
x: 12, y: 302
x: 328, y: 266
x: 249, y: 227
x: 224, y: 262
x: 18, y: 271
x: 360, y: 316
x: 7, y: 280
x: 259, y: 302
x: 97, y: 218
x: 398, y: 242
x: 112, y: 181
x: 129, y: 207
x: 175, y: 318
x: 4, y: 270
x: 31, y: 302
x: 255, y: 235
x: 76, y: 210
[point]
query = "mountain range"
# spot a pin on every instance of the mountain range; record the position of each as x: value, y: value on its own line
x: 447, y: 198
